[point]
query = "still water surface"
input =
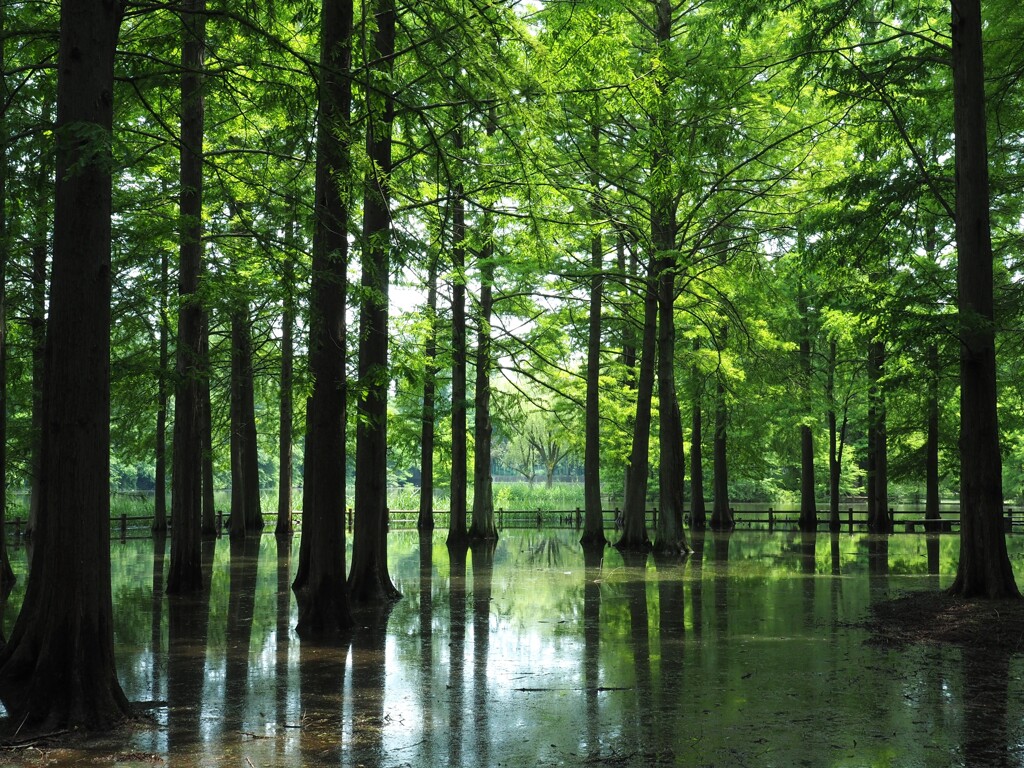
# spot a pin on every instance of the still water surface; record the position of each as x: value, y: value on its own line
x: 744, y: 653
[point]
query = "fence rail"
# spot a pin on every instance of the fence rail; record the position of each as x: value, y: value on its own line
x: 766, y: 518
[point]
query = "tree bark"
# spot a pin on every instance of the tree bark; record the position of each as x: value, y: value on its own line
x: 246, y: 516
x: 58, y: 669
x: 160, y: 459
x: 721, y: 512
x: 185, y: 574
x: 698, y: 510
x: 37, y: 323
x: 425, y: 521
x: 320, y: 586
x: 369, y: 581
x: 483, y: 527
x: 931, y: 457
x: 984, y: 569
x: 670, y: 535
x: 878, y: 521
x: 634, y: 523
x: 6, y: 574
x: 593, y: 518
x: 209, y: 511
x: 808, y: 506
x: 457, y: 532
x: 284, y: 528
x: 835, y: 455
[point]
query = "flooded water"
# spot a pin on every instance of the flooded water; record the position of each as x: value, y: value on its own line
x: 744, y: 653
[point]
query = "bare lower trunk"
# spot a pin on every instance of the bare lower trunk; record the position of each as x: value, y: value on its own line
x: 984, y: 569
x: 369, y: 580
x: 634, y: 525
x: 57, y: 671
x: 320, y: 587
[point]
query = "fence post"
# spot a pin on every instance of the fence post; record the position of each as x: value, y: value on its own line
x: 540, y: 520
x: 851, y: 519
x: 124, y: 526
x: 220, y: 521
x: 771, y: 519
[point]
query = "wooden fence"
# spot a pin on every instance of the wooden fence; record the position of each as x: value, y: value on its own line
x: 767, y: 518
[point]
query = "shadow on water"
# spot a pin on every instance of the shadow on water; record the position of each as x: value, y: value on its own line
x: 535, y: 651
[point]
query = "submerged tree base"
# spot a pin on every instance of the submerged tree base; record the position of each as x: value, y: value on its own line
x: 941, y: 618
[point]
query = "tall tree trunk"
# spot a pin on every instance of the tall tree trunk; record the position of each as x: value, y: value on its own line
x: 634, y: 523
x: 931, y: 457
x: 37, y: 324
x: 425, y: 522
x: 457, y: 532
x: 483, y: 526
x: 246, y: 516
x: 628, y: 271
x: 593, y: 519
x: 284, y: 529
x: 6, y: 574
x: 160, y: 470
x: 58, y: 669
x: 369, y: 580
x: 320, y: 585
x: 808, y: 506
x: 984, y: 568
x: 878, y: 521
x: 698, y: 510
x: 670, y: 536
x: 208, y: 504
x: 721, y: 512
x: 835, y: 450
x: 185, y: 574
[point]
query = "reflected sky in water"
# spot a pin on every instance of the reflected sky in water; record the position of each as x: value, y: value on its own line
x: 530, y: 653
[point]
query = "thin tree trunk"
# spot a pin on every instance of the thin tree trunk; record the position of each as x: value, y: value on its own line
x: 483, y: 526
x: 698, y: 510
x: 878, y: 521
x: 246, y: 516
x: 593, y: 519
x: 457, y: 532
x: 37, y: 324
x: 369, y: 581
x: 160, y: 471
x: 209, y: 512
x: 808, y: 505
x: 834, y: 448
x: 58, y: 670
x: 670, y: 536
x: 284, y: 529
x: 634, y: 524
x: 6, y: 574
x: 425, y: 522
x: 721, y: 512
x: 931, y: 458
x: 984, y: 569
x: 320, y: 586
x: 185, y: 574
x: 628, y: 270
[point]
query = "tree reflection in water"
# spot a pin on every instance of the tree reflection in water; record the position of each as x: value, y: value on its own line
x: 557, y: 655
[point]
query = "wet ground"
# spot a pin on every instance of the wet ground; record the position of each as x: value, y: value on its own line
x: 750, y: 652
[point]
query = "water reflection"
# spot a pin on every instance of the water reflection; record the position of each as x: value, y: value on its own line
x: 535, y: 651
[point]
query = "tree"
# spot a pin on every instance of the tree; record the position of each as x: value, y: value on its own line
x: 57, y: 671
x: 369, y: 580
x: 425, y: 521
x: 320, y: 586
x: 6, y: 574
x: 185, y: 574
x: 984, y: 568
